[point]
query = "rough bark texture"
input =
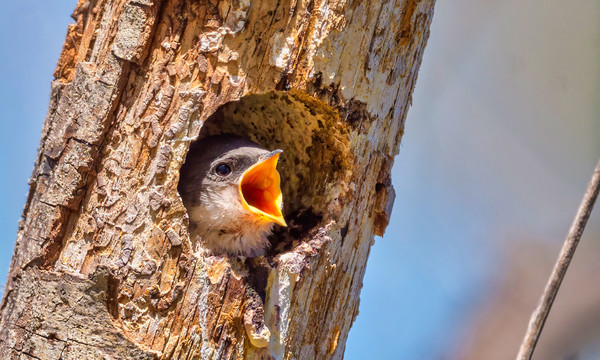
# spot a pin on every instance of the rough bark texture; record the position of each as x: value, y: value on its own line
x: 103, y: 265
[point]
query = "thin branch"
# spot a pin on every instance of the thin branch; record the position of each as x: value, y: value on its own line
x: 538, y: 318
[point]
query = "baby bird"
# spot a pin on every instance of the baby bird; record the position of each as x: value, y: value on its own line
x: 230, y: 187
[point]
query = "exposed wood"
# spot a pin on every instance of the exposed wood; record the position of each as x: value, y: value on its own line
x: 104, y: 265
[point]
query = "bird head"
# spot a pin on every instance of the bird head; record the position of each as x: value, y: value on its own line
x: 229, y: 183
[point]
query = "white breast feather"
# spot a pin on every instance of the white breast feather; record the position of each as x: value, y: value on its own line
x: 224, y: 226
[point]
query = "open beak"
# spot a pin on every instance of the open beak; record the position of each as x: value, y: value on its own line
x: 260, y: 191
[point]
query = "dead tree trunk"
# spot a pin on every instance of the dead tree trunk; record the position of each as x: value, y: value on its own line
x: 104, y: 266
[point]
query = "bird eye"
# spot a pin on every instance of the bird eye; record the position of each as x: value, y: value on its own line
x: 223, y: 170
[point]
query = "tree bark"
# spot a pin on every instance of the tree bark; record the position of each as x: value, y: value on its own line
x: 104, y: 267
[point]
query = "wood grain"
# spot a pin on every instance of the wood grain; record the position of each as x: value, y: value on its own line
x: 329, y: 82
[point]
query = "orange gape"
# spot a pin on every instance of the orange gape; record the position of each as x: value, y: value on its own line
x: 260, y: 190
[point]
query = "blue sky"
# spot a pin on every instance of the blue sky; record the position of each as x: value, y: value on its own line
x: 499, y: 145
x: 31, y: 37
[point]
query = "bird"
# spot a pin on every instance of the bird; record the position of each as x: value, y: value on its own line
x: 231, y: 189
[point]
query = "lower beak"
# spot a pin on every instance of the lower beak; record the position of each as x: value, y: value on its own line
x: 260, y: 190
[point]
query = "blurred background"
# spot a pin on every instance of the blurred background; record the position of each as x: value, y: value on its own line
x: 500, y: 142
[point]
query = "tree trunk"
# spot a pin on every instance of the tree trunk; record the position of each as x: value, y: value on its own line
x: 104, y: 267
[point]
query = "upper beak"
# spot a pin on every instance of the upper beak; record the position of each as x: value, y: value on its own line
x: 260, y: 190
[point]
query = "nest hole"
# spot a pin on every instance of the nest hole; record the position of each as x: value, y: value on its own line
x: 315, y: 162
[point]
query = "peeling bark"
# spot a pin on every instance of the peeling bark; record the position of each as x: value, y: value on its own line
x: 104, y: 265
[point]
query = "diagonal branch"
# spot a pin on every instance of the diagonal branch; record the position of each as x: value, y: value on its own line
x: 539, y: 316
